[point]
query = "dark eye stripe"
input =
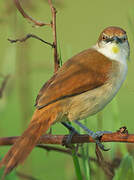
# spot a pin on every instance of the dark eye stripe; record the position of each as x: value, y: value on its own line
x: 109, y: 40
x: 120, y: 40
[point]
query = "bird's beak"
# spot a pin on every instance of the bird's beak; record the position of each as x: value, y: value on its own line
x: 116, y: 39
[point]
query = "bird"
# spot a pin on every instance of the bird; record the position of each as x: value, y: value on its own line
x: 81, y: 87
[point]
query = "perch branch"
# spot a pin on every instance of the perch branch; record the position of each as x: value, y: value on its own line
x: 25, y: 15
x: 119, y: 136
x: 30, y: 36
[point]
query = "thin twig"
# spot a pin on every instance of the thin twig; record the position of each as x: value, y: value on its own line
x: 62, y: 150
x: 53, y: 25
x: 25, y: 176
x: 3, y: 85
x: 119, y: 136
x: 30, y: 36
x: 51, y: 148
x: 25, y: 15
x: 106, y: 166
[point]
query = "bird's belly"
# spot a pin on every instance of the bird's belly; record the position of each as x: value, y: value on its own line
x: 90, y: 102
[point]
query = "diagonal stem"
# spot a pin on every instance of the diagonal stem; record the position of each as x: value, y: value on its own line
x: 30, y: 36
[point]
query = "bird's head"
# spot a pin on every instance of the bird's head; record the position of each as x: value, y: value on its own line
x: 113, y: 43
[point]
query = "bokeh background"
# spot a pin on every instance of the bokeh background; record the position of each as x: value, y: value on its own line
x: 30, y: 65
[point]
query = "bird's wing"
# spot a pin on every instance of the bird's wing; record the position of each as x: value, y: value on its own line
x: 83, y: 72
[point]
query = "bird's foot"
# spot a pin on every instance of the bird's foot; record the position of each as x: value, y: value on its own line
x: 95, y: 135
x: 72, y: 131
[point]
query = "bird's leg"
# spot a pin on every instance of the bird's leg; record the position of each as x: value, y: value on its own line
x: 72, y: 131
x: 95, y: 135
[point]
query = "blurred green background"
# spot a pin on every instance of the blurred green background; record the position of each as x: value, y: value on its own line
x: 30, y: 65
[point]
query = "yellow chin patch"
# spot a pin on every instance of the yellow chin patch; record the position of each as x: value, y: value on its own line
x: 115, y: 49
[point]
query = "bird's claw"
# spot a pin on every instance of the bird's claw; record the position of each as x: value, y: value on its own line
x: 97, y: 136
x: 101, y: 146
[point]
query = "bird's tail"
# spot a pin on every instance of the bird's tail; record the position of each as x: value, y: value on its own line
x: 39, y: 124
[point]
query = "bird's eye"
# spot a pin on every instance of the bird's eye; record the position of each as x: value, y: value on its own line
x: 104, y: 37
x: 124, y: 39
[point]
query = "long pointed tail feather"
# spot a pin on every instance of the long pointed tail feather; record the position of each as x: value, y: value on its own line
x: 40, y: 123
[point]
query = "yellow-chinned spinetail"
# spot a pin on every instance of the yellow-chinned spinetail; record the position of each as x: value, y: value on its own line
x: 80, y: 88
